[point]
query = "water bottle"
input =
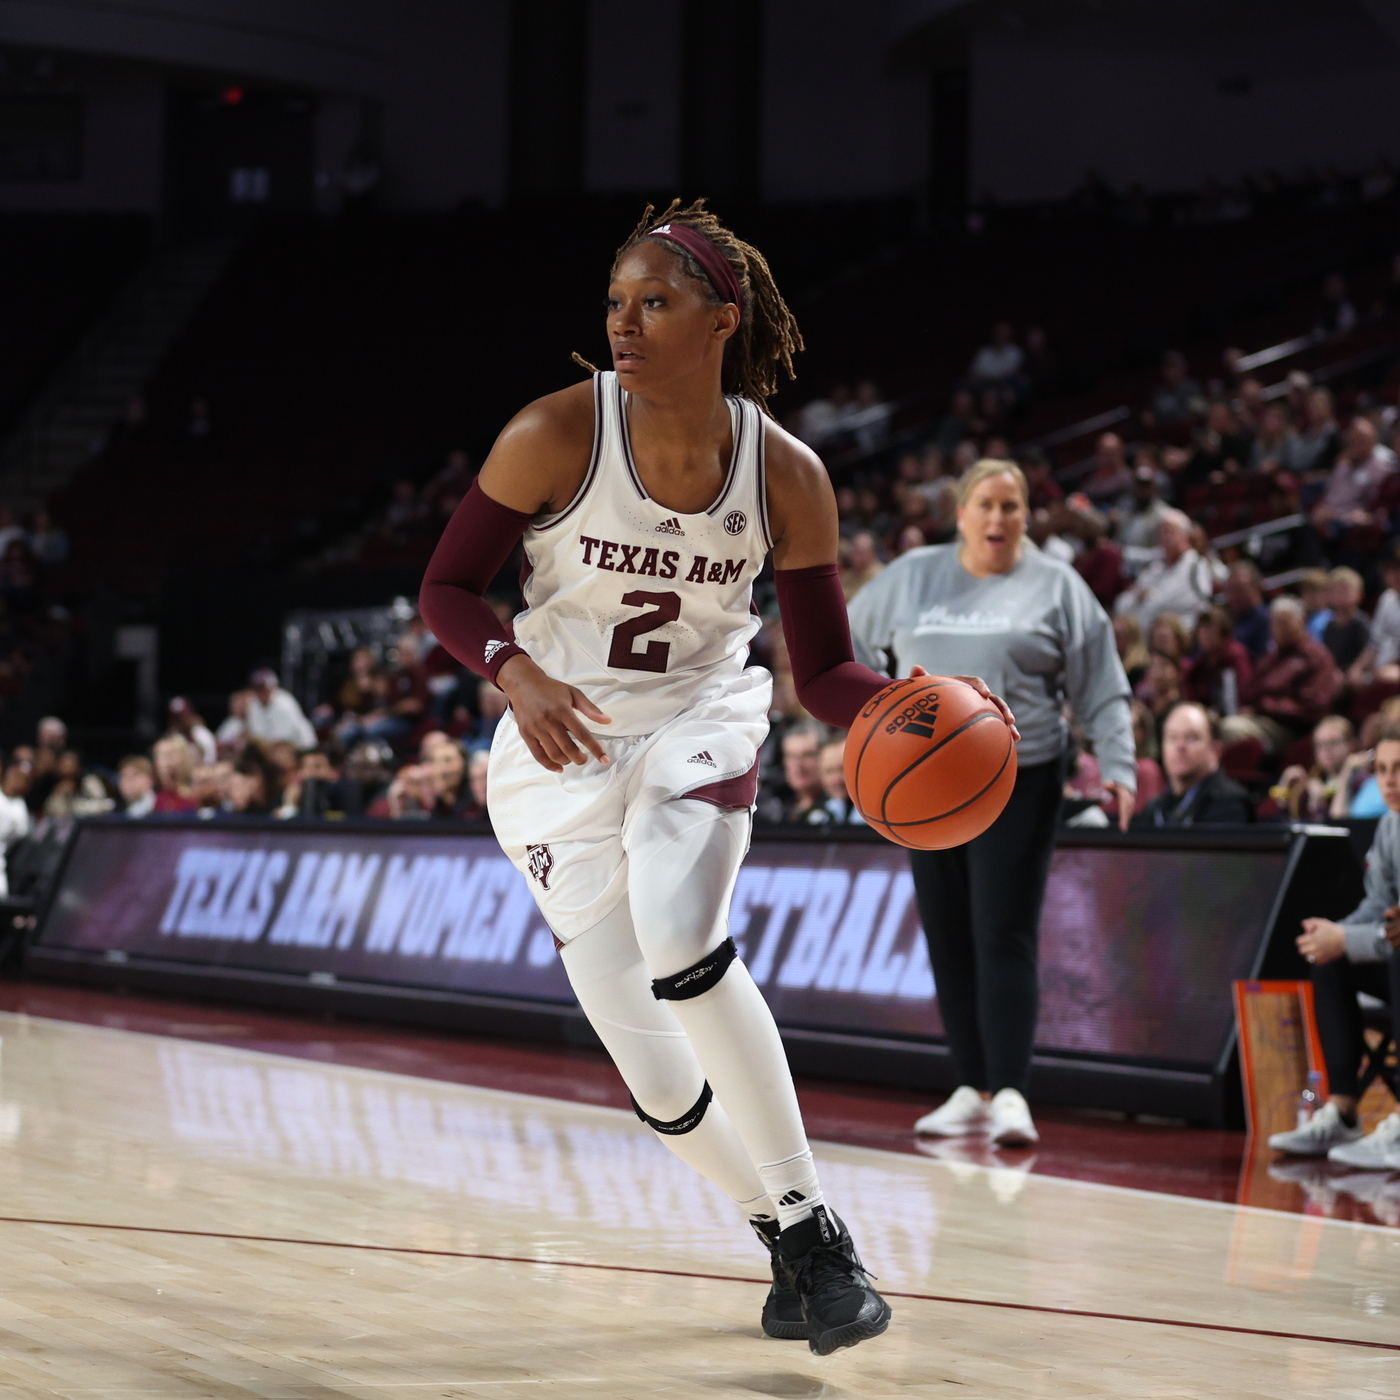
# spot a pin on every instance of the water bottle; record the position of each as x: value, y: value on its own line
x: 1309, y: 1100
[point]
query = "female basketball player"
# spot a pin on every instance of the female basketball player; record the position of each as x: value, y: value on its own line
x: 622, y: 780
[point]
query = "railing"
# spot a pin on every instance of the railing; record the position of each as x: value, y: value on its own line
x: 1258, y: 532
x: 1280, y: 351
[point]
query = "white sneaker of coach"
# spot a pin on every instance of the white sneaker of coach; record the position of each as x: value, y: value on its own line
x: 1316, y: 1138
x: 965, y: 1112
x: 1377, y: 1152
x: 1011, y: 1124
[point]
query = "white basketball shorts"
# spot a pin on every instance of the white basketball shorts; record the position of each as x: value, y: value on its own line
x: 569, y: 833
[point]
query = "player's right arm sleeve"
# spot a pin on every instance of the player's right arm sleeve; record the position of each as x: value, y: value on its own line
x: 477, y: 542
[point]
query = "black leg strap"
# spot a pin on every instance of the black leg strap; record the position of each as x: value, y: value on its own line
x: 686, y: 1123
x: 697, y: 979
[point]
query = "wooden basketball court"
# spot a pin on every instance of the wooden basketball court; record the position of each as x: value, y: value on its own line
x: 183, y: 1219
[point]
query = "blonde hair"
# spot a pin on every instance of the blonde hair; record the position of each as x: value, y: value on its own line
x: 980, y: 470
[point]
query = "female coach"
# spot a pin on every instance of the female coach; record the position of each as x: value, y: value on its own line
x: 994, y: 606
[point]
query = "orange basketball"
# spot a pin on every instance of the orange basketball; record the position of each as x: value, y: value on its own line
x: 930, y: 763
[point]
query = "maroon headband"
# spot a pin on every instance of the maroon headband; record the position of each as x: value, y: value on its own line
x: 715, y: 265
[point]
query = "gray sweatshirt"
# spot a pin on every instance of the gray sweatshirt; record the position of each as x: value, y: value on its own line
x: 1035, y: 634
x: 1365, y: 925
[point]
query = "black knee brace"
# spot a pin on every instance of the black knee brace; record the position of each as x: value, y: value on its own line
x: 697, y: 979
x: 686, y: 1123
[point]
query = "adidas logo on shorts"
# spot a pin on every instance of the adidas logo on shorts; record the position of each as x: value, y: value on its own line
x: 670, y: 527
x: 703, y: 757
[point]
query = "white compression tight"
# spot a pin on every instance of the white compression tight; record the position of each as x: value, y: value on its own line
x: 683, y: 861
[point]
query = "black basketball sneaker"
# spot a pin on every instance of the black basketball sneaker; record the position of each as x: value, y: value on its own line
x: 782, y: 1308
x: 838, y: 1302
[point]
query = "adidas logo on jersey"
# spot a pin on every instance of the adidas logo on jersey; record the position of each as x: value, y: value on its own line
x: 703, y: 757
x: 670, y: 527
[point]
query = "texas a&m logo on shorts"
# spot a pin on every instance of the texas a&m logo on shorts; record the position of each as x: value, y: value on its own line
x: 540, y: 864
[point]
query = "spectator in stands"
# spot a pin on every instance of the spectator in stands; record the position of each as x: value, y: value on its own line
x: 802, y: 771
x: 819, y: 421
x: 274, y: 714
x: 1361, y: 954
x: 1197, y: 792
x: 1293, y: 685
x: 365, y: 777
x: 356, y: 693
x: 478, y: 766
x: 76, y: 793
x: 1219, y: 668
x: 1313, y: 589
x: 255, y: 787
x: 1348, y: 631
x: 1270, y: 445
x: 1312, y: 446
x: 1169, y: 635
x: 836, y: 805
x: 1147, y: 749
x: 1308, y: 794
x: 959, y: 424
x: 491, y: 707
x: 233, y: 732
x: 1100, y: 563
x: 1220, y: 448
x: 869, y: 419
x: 207, y: 788
x: 1244, y: 596
x: 1381, y: 659
x: 1354, y: 486
x: 1160, y: 688
x: 1040, y: 481
x: 861, y: 564
x: 1110, y: 480
x: 1141, y: 520
x: 136, y: 780
x: 1132, y: 651
x: 48, y: 543
x: 1180, y: 582
x: 1338, y: 315
x: 452, y: 795
x: 409, y: 797
x: 997, y: 365
x: 173, y: 759
x: 1177, y: 399
x: 910, y: 537
x: 15, y: 823
x: 186, y: 721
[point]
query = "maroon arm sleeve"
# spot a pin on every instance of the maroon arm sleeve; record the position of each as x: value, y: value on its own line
x: 477, y: 542
x: 830, y: 683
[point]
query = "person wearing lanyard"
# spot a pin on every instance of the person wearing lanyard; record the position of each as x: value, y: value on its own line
x: 992, y: 605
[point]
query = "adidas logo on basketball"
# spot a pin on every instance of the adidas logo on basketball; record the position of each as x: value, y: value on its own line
x: 916, y: 718
x: 702, y: 757
x: 670, y: 527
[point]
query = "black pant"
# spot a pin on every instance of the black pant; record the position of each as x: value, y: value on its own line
x: 980, y: 907
x: 1339, y: 1023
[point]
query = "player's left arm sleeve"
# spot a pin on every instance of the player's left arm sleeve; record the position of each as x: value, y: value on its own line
x: 830, y: 683
x: 1096, y: 685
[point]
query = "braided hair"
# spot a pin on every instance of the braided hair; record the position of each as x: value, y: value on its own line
x: 767, y: 337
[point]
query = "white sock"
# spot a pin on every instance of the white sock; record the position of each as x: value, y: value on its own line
x: 793, y: 1187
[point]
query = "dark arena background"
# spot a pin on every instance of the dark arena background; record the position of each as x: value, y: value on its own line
x: 295, y: 1096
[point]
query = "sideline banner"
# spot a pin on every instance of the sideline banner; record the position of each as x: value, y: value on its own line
x: 1138, y: 948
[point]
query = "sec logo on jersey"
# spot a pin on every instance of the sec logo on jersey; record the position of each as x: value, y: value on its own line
x: 735, y: 521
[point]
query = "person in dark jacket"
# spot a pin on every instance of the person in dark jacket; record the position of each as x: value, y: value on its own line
x: 1197, y: 793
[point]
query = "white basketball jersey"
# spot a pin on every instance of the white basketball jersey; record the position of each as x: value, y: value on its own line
x: 647, y: 610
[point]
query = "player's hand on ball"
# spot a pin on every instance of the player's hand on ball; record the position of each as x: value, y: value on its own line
x: 550, y: 715
x: 980, y: 686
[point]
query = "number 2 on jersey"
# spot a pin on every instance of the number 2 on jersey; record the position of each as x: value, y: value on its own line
x: 665, y: 607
